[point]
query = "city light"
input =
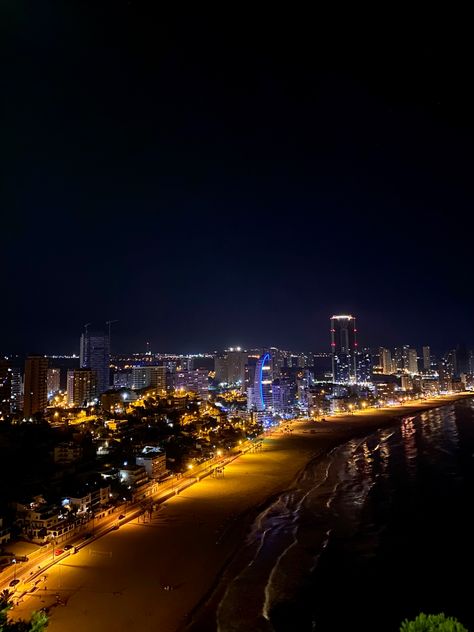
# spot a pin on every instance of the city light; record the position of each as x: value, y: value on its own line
x: 193, y: 411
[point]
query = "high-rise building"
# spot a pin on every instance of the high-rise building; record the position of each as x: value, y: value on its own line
x: 385, y: 360
x: 95, y: 355
x: 426, y: 358
x: 445, y: 373
x: 279, y: 361
x: 303, y: 383
x: 322, y: 366
x: 406, y: 360
x: 53, y: 381
x: 471, y: 362
x: 36, y: 393
x: 462, y: 360
x: 123, y: 379
x: 283, y: 395
x: 344, y: 348
x: 250, y: 371
x: 412, y: 361
x: 81, y: 387
x: 149, y: 376
x: 450, y: 363
x: 220, y: 368
x: 236, y: 361
x: 364, y: 366
x: 16, y: 402
x: 230, y: 367
x: 5, y: 388
x: 260, y: 396
x: 196, y: 381
x: 398, y: 360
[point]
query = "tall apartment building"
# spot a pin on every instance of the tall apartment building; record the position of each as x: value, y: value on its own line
x: 16, y: 401
x: 426, y: 358
x: 95, y: 355
x: 81, y: 387
x: 53, y: 380
x: 35, y: 392
x: 385, y: 360
x: 5, y: 388
x: 230, y: 367
x: 149, y: 377
x: 196, y: 380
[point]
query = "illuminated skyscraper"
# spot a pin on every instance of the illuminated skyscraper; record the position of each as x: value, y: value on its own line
x: 16, y: 390
x: 406, y: 360
x: 53, y: 381
x: 412, y: 361
x: 95, y: 355
x: 230, y: 367
x: 81, y: 387
x: 426, y: 359
x: 194, y: 380
x: 344, y: 349
x: 149, y: 376
x: 261, y: 395
x: 5, y: 388
x: 364, y: 366
x: 385, y: 361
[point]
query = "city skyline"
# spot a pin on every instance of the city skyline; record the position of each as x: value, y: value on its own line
x: 74, y: 353
x: 365, y: 338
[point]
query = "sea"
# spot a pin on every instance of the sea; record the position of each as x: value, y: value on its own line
x: 380, y: 529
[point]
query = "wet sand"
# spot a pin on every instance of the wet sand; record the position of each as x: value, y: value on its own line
x: 118, y: 582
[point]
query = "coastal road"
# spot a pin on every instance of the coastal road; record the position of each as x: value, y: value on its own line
x: 41, y: 560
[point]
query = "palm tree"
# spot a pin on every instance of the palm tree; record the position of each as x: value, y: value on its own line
x: 5, y: 597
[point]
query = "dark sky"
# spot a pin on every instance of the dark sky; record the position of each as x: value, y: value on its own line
x: 232, y: 180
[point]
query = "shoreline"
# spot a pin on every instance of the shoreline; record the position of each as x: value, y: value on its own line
x: 203, y: 616
x: 194, y: 541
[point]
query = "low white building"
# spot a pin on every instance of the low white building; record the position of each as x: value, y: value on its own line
x: 133, y: 475
x: 153, y: 460
x: 38, y: 520
x: 88, y: 499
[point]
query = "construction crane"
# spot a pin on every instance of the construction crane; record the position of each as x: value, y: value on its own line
x: 110, y: 323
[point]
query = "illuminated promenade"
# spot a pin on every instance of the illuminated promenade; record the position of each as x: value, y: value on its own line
x: 120, y: 581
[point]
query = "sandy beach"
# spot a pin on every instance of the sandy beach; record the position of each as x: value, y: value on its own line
x: 120, y: 581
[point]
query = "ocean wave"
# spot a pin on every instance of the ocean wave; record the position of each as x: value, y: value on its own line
x: 286, y: 540
x: 343, y: 497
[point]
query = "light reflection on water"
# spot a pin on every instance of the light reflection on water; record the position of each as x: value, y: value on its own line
x: 416, y: 513
x: 374, y: 504
x: 408, y: 432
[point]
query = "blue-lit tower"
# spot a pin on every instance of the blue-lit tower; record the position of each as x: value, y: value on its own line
x: 262, y: 390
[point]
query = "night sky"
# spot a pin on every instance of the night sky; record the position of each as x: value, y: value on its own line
x: 232, y: 180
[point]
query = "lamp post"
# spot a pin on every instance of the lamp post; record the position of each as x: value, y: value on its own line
x: 14, y: 568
